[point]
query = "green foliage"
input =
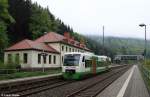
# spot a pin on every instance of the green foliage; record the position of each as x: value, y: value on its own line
x: 13, y: 63
x: 97, y: 47
x: 146, y: 63
x: 32, y: 21
x: 40, y: 21
x: 20, y: 10
x: 5, y: 20
x: 123, y: 45
x: 4, y: 14
x: 9, y: 65
x: 3, y: 36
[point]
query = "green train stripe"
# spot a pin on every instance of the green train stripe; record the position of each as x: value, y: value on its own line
x: 80, y: 75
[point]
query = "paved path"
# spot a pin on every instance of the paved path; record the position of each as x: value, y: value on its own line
x: 129, y: 84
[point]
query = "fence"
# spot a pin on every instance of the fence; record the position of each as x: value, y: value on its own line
x: 145, y: 71
x: 8, y: 71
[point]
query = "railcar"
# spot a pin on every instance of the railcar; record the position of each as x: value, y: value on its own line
x: 77, y: 65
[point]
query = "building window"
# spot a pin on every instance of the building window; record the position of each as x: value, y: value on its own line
x: 66, y: 48
x: 25, y: 58
x: 54, y: 59
x: 83, y: 59
x: 9, y: 58
x: 45, y: 59
x: 62, y: 59
x: 50, y: 59
x: 17, y: 58
x: 62, y: 48
x: 39, y: 58
x: 73, y: 50
x: 69, y: 49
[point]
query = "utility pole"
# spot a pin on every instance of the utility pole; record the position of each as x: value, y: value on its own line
x: 145, y: 46
x: 103, y: 40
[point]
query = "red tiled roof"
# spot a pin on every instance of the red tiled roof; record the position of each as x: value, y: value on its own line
x: 54, y: 37
x: 50, y: 37
x: 29, y: 44
x: 39, y: 44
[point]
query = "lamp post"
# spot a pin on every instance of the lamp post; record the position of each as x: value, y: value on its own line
x: 143, y: 25
x: 103, y: 39
x: 43, y: 53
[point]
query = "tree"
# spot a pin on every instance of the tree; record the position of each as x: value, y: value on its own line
x: 40, y: 21
x: 4, y: 14
x: 21, y: 12
x: 5, y: 20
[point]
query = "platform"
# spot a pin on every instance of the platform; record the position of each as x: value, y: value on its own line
x: 28, y: 78
x: 130, y: 84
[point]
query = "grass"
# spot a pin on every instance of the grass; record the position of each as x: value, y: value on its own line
x: 28, y: 74
x: 146, y: 79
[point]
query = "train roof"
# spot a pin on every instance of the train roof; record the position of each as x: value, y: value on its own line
x: 79, y: 53
x: 91, y: 54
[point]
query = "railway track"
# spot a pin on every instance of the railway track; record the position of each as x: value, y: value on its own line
x: 35, y: 87
x: 95, y: 88
x: 89, y: 89
x: 38, y: 89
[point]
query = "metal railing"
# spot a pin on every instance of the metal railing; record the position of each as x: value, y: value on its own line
x: 145, y: 71
x: 8, y: 71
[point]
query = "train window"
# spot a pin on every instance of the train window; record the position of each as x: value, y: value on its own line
x: 88, y: 63
x: 71, y: 59
x: 83, y: 59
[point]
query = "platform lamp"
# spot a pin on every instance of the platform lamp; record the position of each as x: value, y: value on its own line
x: 143, y: 25
x: 43, y: 53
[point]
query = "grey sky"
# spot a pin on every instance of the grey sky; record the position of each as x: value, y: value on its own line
x: 120, y: 17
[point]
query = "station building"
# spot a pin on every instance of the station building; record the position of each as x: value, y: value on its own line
x: 47, y: 51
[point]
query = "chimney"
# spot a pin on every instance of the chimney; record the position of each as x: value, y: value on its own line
x: 72, y: 38
x: 82, y: 41
x: 67, y: 35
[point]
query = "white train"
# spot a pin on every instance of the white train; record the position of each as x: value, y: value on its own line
x: 77, y: 65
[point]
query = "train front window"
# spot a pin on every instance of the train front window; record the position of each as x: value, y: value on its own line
x: 71, y: 59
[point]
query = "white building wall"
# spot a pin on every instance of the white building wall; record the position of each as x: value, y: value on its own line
x: 35, y: 63
x: 13, y: 53
x: 33, y: 56
x: 33, y: 59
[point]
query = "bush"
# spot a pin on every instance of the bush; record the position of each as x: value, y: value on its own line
x: 9, y: 67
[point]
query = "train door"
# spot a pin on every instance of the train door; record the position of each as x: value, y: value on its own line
x: 94, y: 65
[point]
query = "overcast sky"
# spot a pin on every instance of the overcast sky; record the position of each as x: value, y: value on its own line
x: 120, y: 17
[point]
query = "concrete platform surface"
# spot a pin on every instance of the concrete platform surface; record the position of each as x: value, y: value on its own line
x: 130, y: 84
x: 28, y: 78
